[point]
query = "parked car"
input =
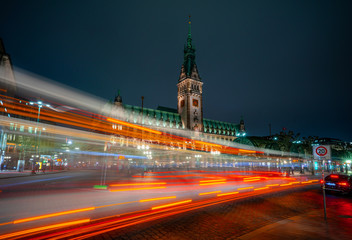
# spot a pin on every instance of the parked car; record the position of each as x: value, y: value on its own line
x: 338, y: 182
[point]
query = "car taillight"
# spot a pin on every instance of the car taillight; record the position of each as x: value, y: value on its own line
x: 343, y: 183
x: 322, y: 181
x: 334, y: 176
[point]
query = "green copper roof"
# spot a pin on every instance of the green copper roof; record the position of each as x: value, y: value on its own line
x: 168, y: 117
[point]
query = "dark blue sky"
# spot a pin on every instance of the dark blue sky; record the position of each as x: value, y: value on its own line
x: 288, y: 63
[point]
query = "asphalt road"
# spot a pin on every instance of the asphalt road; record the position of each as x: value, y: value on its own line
x: 240, y: 218
x: 28, y: 197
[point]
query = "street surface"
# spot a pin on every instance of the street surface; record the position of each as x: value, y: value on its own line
x: 45, y: 200
x: 292, y: 214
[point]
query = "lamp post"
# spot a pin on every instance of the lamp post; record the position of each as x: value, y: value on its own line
x: 40, y: 105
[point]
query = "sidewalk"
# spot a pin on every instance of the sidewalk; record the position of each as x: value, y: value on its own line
x: 13, y: 173
x: 307, y: 226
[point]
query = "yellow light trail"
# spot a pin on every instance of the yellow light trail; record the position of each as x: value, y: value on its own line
x: 251, y: 180
x: 207, y: 143
x: 307, y: 182
x: 272, y: 185
x: 212, y: 183
x: 256, y: 189
x: 171, y: 204
x: 295, y: 182
x: 216, y: 180
x: 137, y: 184
x: 246, y: 151
x: 286, y: 184
x: 32, y: 230
x: 244, y: 188
x: 134, y: 189
x: 206, y: 193
x: 225, y: 194
x: 155, y: 199
x: 52, y: 215
x: 314, y: 180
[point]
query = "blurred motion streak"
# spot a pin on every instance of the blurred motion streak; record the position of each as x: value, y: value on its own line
x: 272, y: 185
x: 171, y: 204
x: 32, y: 230
x: 206, y: 193
x: 156, y: 199
x: 53, y: 215
x: 136, y: 184
x: 217, y: 180
x: 211, y: 183
x: 256, y: 189
x: 226, y: 194
x: 244, y: 188
x: 134, y: 189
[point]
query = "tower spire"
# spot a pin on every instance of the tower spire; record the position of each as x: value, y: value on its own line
x: 189, y: 37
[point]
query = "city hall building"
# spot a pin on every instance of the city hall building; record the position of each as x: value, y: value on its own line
x: 189, y: 112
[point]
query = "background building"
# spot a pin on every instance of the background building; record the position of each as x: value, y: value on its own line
x: 189, y: 112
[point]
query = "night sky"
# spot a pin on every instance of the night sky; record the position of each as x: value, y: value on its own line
x: 288, y: 63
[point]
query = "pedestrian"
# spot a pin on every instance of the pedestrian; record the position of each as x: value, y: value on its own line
x: 43, y: 168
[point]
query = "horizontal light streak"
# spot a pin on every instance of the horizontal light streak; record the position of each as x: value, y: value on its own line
x: 211, y: 183
x: 272, y: 185
x: 217, y: 180
x: 314, y: 180
x: 171, y: 204
x: 225, y: 194
x: 135, y: 189
x: 206, y: 193
x: 133, y: 126
x: 156, y: 199
x: 307, y: 182
x: 207, y: 143
x: 39, y: 229
x: 256, y: 189
x: 136, y: 184
x: 295, y: 182
x: 244, y: 188
x: 247, y: 151
x: 286, y: 184
x: 52, y: 215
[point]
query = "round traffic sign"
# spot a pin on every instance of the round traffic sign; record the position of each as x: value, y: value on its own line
x: 321, y: 151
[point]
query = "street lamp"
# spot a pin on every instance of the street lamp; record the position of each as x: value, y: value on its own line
x: 40, y: 105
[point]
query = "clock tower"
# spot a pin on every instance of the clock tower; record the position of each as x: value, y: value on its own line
x: 190, y: 87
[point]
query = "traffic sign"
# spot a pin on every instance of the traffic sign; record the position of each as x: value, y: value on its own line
x: 321, y: 151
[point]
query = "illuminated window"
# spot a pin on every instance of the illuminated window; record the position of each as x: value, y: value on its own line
x: 182, y: 103
x: 195, y: 102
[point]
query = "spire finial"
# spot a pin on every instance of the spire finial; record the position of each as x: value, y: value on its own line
x: 189, y: 26
x: 189, y: 37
